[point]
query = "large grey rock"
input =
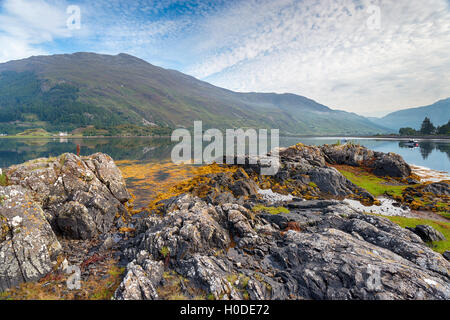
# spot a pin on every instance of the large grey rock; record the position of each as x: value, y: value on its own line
x: 79, y: 195
x: 382, y: 164
x: 28, y: 246
x: 427, y: 233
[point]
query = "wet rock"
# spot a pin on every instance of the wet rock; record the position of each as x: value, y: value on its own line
x: 28, y: 246
x: 427, y: 233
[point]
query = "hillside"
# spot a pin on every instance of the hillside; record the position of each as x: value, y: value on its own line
x: 64, y: 92
x: 438, y: 112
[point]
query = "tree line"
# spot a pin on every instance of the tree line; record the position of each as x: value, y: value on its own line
x: 427, y: 128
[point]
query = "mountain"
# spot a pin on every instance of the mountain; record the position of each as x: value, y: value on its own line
x: 438, y: 112
x: 63, y: 92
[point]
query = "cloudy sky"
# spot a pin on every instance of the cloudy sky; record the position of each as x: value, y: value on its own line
x: 364, y: 56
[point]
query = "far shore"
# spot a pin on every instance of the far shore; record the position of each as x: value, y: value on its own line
x: 387, y: 137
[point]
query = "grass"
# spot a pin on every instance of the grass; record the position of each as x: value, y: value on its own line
x: 39, y: 132
x: 164, y: 251
x: 3, y: 180
x: 377, y: 186
x: 312, y: 185
x: 443, y: 227
x: 271, y: 210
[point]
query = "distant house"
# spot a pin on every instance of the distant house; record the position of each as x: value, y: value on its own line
x: 63, y: 134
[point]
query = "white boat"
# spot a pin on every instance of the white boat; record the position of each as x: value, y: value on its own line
x: 412, y: 143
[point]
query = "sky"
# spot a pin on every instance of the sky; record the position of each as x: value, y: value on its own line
x: 370, y: 57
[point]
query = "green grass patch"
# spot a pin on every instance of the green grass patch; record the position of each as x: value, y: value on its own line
x: 444, y: 227
x: 271, y: 210
x: 3, y: 180
x: 375, y: 185
x: 312, y: 185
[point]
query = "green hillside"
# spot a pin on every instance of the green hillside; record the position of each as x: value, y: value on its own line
x: 65, y: 92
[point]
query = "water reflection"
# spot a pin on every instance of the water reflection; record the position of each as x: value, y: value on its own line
x: 14, y: 151
x: 431, y: 154
x: 427, y: 147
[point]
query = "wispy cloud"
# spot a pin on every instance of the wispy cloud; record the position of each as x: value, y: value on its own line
x: 326, y: 50
x: 322, y: 49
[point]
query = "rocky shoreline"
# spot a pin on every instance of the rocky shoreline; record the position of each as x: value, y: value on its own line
x: 229, y: 234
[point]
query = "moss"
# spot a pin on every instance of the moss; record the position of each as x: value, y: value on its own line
x: 164, y: 251
x: 271, y: 210
x: 176, y: 287
x: 3, y: 180
x: 443, y: 227
x: 312, y: 185
x: 232, y: 278
x: 377, y: 186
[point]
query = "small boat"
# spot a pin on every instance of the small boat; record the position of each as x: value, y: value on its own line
x: 412, y: 143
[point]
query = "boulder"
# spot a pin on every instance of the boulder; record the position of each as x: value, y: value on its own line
x: 79, y: 195
x: 381, y: 164
x: 28, y: 246
x: 141, y: 280
x: 427, y: 233
x: 446, y: 255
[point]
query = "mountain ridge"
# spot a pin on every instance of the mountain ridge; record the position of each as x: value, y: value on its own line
x: 123, y: 89
x: 438, y: 112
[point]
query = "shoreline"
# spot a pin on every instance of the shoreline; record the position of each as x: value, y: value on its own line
x: 429, y: 175
x: 381, y: 137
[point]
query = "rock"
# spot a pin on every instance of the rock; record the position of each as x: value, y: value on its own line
x: 446, y: 255
x: 334, y: 252
x: 141, y: 280
x: 312, y: 155
x: 427, y: 233
x: 28, y: 246
x: 438, y: 188
x: 74, y: 221
x: 79, y: 195
x: 302, y: 169
x: 382, y: 164
x: 194, y: 227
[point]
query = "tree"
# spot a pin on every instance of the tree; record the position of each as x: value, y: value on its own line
x: 427, y: 127
x: 444, y: 129
x: 407, y: 131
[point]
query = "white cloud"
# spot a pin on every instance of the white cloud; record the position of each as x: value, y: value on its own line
x: 26, y: 24
x: 326, y: 51
x: 321, y: 49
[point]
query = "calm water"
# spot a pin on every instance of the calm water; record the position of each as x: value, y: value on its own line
x: 432, y: 154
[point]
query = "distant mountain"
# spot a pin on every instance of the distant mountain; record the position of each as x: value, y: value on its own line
x: 438, y: 112
x: 63, y: 92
